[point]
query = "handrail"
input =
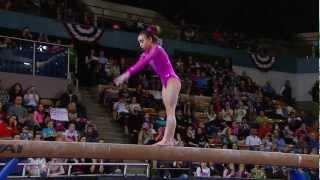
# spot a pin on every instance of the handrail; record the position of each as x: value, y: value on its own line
x: 21, y: 39
x: 70, y: 165
x: 35, y: 44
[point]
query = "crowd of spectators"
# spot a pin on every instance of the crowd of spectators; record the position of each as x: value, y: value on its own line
x: 239, y: 115
x: 24, y: 115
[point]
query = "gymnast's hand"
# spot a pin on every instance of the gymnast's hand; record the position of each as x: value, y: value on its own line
x: 122, y: 78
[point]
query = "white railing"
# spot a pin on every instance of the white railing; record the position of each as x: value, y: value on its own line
x: 70, y: 165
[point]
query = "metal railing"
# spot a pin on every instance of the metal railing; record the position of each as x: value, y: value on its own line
x: 36, y: 58
x: 70, y: 165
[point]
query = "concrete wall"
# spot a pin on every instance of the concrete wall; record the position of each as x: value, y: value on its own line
x: 47, y: 87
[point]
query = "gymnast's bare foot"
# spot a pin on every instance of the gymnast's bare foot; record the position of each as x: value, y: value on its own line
x: 164, y: 142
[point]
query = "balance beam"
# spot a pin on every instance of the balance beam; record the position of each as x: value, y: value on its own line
x: 54, y: 149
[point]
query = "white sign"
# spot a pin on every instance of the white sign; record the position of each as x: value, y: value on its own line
x: 59, y: 114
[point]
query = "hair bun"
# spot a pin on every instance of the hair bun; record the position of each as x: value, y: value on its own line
x: 154, y: 29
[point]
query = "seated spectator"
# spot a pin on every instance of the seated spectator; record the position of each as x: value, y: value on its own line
x: 37, y: 136
x: 43, y: 37
x: 4, y: 96
x: 8, y: 130
x: 178, y: 140
x: 18, y: 110
x: 258, y: 172
x: 191, y: 137
x: 160, y: 120
x: 26, y: 34
x: 253, y: 140
x: 71, y: 134
x: 159, y: 134
x: 268, y: 143
x: 268, y: 89
x: 91, y: 134
x: 55, y: 170
x: 31, y: 98
x: 262, y: 118
x: 279, y: 141
x: 264, y: 129
x: 3, y: 113
x: 146, y: 134
x: 72, y: 112
x: 14, y: 91
x: 203, y: 170
x: 49, y: 133
x: 68, y: 97
x: 37, y: 170
x: 134, y: 105
x: 121, y: 107
x: 201, y: 138
x: 26, y: 134
x: 229, y: 171
x: 39, y: 116
x: 242, y: 172
x: 240, y: 112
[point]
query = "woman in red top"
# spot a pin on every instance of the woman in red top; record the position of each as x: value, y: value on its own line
x: 3, y: 114
x: 8, y: 129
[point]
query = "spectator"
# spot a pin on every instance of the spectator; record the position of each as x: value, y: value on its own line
x: 71, y: 134
x: 92, y: 62
x: 242, y: 172
x: 8, y: 130
x: 279, y: 142
x: 31, y: 98
x: 240, y: 112
x: 39, y: 116
x: 314, y: 92
x: 4, y: 96
x: 26, y: 34
x: 43, y: 37
x: 68, y: 97
x: 3, y: 113
x: 15, y: 90
x: 253, y: 140
x: 134, y: 106
x: 227, y: 113
x: 258, y: 173
x: 18, y: 110
x: 262, y: 118
x: 26, y: 133
x: 37, y: 170
x: 268, y: 89
x: 91, y: 134
x: 229, y: 171
x: 146, y: 134
x: 286, y: 92
x: 203, y: 170
x: 49, y: 133
x: 55, y: 170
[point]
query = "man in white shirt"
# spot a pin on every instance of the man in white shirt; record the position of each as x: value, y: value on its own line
x: 253, y: 140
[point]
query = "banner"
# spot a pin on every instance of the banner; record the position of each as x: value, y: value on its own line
x: 83, y: 32
x: 263, y: 63
x: 59, y: 114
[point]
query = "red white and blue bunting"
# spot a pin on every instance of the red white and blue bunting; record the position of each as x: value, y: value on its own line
x: 84, y: 32
x: 263, y: 63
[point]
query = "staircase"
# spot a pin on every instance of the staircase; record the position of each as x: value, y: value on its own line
x: 109, y: 130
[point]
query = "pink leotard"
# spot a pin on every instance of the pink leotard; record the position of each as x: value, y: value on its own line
x: 158, y: 59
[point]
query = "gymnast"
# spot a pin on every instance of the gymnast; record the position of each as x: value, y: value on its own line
x: 158, y: 59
